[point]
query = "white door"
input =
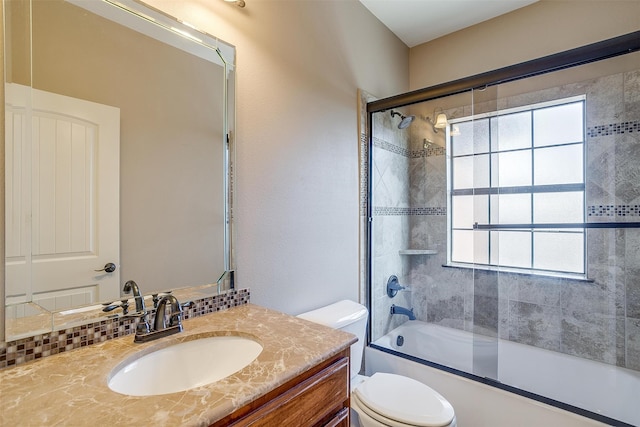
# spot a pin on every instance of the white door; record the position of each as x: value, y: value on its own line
x: 62, y: 199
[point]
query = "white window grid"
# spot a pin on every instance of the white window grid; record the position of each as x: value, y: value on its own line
x: 530, y: 229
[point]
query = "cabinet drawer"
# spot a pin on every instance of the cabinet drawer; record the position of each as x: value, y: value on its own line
x: 341, y: 419
x: 318, y: 398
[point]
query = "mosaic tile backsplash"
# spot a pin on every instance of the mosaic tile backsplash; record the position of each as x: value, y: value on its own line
x: 13, y: 353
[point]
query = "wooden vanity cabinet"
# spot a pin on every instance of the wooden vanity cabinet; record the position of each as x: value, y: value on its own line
x: 317, y: 397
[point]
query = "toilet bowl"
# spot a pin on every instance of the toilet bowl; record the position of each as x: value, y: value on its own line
x: 383, y: 399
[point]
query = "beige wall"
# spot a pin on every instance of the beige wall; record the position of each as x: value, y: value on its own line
x: 300, y: 64
x: 543, y: 28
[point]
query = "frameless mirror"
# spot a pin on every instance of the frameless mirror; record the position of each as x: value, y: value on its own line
x: 117, y: 155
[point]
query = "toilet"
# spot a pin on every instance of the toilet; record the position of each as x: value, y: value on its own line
x: 382, y: 399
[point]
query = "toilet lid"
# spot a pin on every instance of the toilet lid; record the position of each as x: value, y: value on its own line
x: 405, y: 400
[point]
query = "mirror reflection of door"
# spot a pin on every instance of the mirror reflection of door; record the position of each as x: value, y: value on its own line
x: 62, y: 221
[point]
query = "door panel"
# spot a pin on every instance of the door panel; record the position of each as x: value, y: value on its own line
x: 71, y: 215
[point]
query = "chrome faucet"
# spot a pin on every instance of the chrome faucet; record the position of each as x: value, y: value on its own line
x: 175, y: 319
x: 141, y: 311
x: 401, y: 310
x: 132, y: 286
x: 160, y: 326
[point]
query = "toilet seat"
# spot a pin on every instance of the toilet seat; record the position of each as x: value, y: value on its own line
x: 400, y: 401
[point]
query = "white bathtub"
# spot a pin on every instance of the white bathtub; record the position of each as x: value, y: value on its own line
x: 597, y: 387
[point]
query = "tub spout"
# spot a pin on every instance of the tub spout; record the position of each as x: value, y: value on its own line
x: 401, y: 310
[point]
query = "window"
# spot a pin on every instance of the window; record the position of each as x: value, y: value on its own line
x: 516, y: 180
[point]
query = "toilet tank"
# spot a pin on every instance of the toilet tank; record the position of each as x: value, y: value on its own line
x: 348, y: 316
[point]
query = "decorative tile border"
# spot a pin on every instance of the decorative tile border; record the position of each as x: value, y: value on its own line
x: 395, y: 211
x: 364, y: 173
x: 613, y: 210
x: 14, y: 353
x: 431, y: 150
x: 600, y: 210
x: 613, y: 129
x: 392, y: 148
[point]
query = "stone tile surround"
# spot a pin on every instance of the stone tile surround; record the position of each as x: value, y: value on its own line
x: 13, y: 353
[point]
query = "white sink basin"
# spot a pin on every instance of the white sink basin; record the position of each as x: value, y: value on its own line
x: 184, y: 366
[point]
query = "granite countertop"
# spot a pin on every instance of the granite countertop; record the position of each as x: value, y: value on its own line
x: 71, y: 389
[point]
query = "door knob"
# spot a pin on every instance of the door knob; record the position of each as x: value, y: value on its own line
x: 108, y: 267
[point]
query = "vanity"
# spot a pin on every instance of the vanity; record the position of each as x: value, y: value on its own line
x: 300, y: 378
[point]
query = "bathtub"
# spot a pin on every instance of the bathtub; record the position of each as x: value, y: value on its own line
x: 599, y: 388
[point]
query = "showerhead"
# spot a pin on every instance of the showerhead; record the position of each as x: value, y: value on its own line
x: 405, y: 120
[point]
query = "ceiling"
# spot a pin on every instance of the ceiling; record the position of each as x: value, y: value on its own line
x: 419, y: 21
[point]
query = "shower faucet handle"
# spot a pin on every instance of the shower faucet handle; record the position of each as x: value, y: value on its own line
x: 393, y: 286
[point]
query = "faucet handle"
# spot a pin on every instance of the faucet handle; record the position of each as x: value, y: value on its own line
x: 393, y: 286
x: 175, y: 318
x: 158, y: 296
x: 143, y: 326
x: 110, y: 306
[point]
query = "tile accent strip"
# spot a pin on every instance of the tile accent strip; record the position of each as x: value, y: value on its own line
x: 432, y: 150
x: 600, y: 210
x: 613, y: 210
x: 613, y: 129
x: 387, y: 146
x: 364, y: 174
x: 17, y: 352
x: 395, y: 211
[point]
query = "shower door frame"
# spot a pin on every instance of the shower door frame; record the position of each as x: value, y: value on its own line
x: 609, y: 48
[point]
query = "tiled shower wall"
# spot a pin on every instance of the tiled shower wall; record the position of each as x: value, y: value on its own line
x: 597, y: 319
x: 391, y: 219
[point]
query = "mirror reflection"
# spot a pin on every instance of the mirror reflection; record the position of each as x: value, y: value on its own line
x: 116, y: 155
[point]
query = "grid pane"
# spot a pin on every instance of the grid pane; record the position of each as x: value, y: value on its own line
x: 558, y: 165
x: 469, y: 209
x: 473, y: 138
x: 558, y: 207
x: 462, y: 246
x: 462, y: 212
x: 559, y: 251
x: 511, y: 208
x: 470, y: 246
x: 511, y: 131
x: 561, y: 124
x: 470, y: 172
x: 511, y: 169
x: 462, y: 172
x: 514, y: 248
x: 481, y: 247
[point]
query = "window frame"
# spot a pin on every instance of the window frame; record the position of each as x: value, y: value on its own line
x: 530, y: 190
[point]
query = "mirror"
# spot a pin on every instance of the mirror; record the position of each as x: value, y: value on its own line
x: 116, y: 155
